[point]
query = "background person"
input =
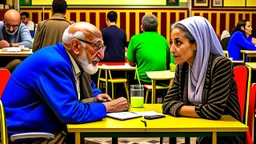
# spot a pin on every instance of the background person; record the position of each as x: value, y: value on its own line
x: 240, y: 40
x: 25, y: 19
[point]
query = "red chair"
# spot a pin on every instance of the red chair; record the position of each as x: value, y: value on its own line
x: 251, y: 112
x: 241, y: 75
x: 4, y: 77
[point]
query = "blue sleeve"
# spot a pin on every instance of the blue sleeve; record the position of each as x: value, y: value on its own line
x: 57, y: 89
x: 25, y: 37
x: 242, y: 41
x: 95, y: 90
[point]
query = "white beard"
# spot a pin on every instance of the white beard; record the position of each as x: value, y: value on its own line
x: 84, y: 63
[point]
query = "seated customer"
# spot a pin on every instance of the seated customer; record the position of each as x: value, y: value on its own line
x: 13, y: 33
x: 148, y: 50
x: 115, y: 40
x: 25, y: 19
x: 204, y: 85
x: 44, y: 92
x: 240, y: 39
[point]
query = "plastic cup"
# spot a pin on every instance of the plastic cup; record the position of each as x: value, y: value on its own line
x: 137, y: 96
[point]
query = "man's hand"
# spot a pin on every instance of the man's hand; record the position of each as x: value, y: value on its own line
x: 4, y: 43
x: 117, y: 105
x: 102, y: 97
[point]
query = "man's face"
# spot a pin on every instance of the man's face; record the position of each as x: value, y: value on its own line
x: 24, y: 19
x: 11, y: 26
x: 90, y: 55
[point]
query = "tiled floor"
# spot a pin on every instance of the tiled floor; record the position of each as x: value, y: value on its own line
x: 138, y: 140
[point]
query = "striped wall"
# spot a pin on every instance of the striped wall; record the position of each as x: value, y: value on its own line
x: 226, y: 19
x: 129, y: 18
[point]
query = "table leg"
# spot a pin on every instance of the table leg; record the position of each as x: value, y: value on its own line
x: 114, y: 140
x: 244, y: 58
x: 214, y: 138
x: 153, y: 96
x: 77, y: 138
x: 106, y: 76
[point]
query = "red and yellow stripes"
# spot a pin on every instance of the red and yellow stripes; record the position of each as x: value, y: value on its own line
x: 226, y: 19
x: 129, y: 19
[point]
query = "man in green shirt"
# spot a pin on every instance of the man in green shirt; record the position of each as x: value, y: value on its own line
x: 149, y: 50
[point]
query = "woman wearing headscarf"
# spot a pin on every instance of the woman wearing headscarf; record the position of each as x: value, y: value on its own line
x: 203, y: 85
x: 241, y: 39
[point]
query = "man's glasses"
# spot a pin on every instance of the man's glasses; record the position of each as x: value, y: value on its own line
x: 13, y: 26
x: 98, y: 47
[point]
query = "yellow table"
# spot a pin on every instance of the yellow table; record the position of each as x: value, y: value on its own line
x: 249, y: 53
x: 164, y: 127
x: 16, y: 54
x: 107, y: 68
x: 251, y: 65
x: 158, y: 75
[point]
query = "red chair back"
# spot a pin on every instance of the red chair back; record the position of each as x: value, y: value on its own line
x: 241, y: 78
x: 4, y: 77
x: 251, y: 111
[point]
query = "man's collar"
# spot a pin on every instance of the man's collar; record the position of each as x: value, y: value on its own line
x: 76, y: 68
x: 58, y: 15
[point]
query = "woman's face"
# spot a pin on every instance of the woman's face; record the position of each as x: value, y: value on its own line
x: 182, y: 50
x: 247, y: 29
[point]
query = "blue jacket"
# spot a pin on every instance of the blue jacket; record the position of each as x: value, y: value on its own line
x: 238, y: 42
x: 41, y: 94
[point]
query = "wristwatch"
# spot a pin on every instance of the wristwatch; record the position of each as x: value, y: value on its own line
x: 10, y: 44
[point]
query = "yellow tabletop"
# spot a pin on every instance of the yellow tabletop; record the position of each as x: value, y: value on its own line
x: 16, y: 54
x: 126, y: 66
x: 158, y: 75
x: 252, y: 65
x: 249, y: 53
x: 108, y: 68
x: 169, y: 126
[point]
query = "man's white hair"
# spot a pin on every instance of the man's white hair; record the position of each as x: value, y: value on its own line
x: 67, y: 37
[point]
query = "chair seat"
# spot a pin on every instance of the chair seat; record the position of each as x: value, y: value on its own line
x: 118, y: 80
x: 148, y: 86
x: 114, y: 80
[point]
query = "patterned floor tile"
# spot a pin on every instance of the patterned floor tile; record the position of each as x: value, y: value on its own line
x: 154, y: 140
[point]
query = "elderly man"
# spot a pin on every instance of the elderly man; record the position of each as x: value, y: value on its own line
x: 148, y: 50
x: 43, y: 93
x: 13, y: 33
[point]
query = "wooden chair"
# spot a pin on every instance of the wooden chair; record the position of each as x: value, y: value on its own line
x: 148, y: 87
x: 4, y: 77
x: 112, y: 81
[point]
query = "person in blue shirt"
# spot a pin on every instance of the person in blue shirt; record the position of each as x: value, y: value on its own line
x: 115, y: 40
x: 240, y: 39
x: 44, y: 92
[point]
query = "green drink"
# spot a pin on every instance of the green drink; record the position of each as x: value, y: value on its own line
x: 137, y: 96
x: 137, y: 102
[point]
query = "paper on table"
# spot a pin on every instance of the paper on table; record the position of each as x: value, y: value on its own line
x: 148, y: 113
x: 123, y: 115
x: 13, y: 49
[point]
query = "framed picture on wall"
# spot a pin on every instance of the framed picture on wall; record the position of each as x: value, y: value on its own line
x: 217, y: 3
x: 25, y: 2
x: 200, y: 3
x: 172, y: 2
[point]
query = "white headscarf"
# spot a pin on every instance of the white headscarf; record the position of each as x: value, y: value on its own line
x: 207, y: 42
